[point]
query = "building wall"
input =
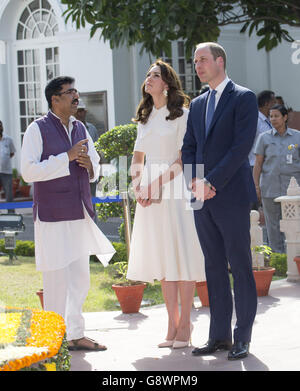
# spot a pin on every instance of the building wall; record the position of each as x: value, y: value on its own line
x: 90, y: 61
x: 259, y: 70
x: 123, y: 76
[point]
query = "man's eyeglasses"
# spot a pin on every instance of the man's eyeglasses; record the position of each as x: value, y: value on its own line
x: 69, y: 92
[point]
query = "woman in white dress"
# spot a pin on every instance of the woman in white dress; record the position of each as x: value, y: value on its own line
x: 164, y: 244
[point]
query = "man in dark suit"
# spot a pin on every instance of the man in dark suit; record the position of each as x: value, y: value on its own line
x: 220, y: 132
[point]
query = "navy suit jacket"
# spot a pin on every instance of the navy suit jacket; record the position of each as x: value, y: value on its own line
x: 224, y: 152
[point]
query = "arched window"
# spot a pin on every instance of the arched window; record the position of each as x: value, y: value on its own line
x: 37, y: 21
x: 37, y: 60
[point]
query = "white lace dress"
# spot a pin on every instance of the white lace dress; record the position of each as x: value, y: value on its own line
x: 164, y: 243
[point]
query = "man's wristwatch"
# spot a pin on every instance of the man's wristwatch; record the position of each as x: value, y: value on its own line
x: 205, y: 181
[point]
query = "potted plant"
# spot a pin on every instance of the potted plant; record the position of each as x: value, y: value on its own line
x: 40, y: 294
x: 202, y: 291
x: 116, y: 142
x: 24, y: 188
x: 297, y: 260
x: 129, y: 293
x: 262, y: 274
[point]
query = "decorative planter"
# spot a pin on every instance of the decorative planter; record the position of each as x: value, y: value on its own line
x: 40, y: 294
x: 263, y: 279
x: 24, y: 190
x: 203, y: 293
x: 297, y: 260
x: 130, y: 297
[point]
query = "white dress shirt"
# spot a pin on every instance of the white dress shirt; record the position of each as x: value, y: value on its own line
x: 263, y: 125
x: 57, y: 244
x: 220, y: 88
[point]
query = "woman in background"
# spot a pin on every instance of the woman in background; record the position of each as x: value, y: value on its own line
x: 277, y: 160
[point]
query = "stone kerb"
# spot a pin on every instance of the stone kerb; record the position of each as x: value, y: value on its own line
x: 290, y: 225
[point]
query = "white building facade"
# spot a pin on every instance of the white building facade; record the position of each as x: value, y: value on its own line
x: 36, y: 45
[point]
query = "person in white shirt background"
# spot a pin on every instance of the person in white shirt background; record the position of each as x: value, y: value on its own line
x: 265, y: 100
x: 7, y: 151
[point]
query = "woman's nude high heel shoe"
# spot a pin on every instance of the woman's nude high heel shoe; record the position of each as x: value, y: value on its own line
x: 183, y: 344
x: 166, y: 344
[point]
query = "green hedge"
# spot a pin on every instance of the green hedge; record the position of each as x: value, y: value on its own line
x: 279, y: 262
x: 25, y: 248
x: 121, y: 252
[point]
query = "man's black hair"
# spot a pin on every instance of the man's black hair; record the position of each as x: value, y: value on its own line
x: 265, y: 97
x: 55, y: 86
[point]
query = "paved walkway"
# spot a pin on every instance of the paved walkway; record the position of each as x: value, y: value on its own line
x: 132, y: 339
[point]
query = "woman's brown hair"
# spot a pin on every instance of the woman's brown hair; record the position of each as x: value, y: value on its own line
x: 176, y: 97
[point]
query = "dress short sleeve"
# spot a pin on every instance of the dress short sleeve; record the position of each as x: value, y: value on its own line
x: 139, y: 142
x: 182, y: 121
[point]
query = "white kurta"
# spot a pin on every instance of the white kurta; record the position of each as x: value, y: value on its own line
x: 57, y: 244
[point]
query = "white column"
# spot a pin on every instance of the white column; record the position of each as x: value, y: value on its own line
x: 256, y: 238
x: 290, y: 225
x: 2, y: 52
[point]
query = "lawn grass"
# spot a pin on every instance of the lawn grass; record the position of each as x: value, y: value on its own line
x: 20, y: 281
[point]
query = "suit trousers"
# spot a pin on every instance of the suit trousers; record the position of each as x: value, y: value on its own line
x: 65, y: 291
x: 224, y: 234
x: 272, y: 212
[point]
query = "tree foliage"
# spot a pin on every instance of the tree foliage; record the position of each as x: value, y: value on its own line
x: 156, y: 23
x: 116, y: 142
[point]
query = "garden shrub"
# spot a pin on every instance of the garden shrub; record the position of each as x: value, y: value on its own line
x: 121, y: 252
x: 279, y: 262
x: 118, y: 141
x: 24, y: 248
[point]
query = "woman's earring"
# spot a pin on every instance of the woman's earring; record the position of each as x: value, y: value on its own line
x: 165, y: 92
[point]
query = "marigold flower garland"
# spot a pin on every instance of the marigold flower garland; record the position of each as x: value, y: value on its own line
x: 29, y: 336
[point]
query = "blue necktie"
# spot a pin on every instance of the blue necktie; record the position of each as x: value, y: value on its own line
x: 210, y: 110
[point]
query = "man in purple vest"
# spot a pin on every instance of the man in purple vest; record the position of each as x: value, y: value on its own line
x: 59, y: 157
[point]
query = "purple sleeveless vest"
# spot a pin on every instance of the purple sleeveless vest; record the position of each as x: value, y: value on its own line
x: 61, y: 199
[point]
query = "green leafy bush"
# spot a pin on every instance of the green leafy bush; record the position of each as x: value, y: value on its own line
x: 116, y: 142
x: 279, y: 262
x: 121, y: 252
x: 23, y: 247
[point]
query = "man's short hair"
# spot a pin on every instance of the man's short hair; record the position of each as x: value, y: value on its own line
x: 55, y: 86
x: 216, y: 50
x: 265, y: 97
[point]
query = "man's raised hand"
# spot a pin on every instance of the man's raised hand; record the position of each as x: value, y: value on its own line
x: 77, y: 150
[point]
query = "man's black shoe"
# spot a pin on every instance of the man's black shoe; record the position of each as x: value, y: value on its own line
x: 212, y: 346
x: 239, y: 350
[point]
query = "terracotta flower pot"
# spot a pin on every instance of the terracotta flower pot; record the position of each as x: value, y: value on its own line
x: 297, y: 260
x: 40, y: 294
x: 263, y: 279
x: 130, y: 297
x: 24, y: 190
x: 203, y: 293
